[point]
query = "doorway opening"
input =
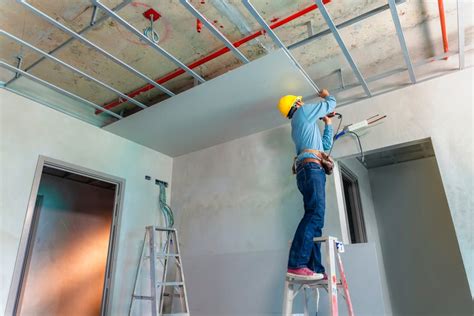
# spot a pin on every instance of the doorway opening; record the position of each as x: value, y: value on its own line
x: 408, y: 216
x: 353, y: 206
x: 65, y: 260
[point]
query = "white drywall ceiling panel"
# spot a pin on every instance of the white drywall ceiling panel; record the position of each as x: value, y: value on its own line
x: 236, y: 104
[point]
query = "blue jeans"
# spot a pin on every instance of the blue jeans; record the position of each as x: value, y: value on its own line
x: 311, y: 181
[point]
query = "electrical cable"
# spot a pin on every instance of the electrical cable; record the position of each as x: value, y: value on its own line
x: 362, y: 156
x: 151, y: 33
x: 336, y: 136
x: 165, y: 208
x: 376, y: 120
x: 339, y: 115
x: 359, y: 125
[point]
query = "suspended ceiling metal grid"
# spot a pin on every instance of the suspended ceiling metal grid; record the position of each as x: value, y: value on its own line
x: 228, y: 21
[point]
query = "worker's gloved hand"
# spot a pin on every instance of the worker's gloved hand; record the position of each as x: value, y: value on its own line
x: 323, y: 93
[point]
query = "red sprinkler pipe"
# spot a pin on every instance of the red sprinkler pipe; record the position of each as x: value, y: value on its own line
x: 442, y: 20
x: 212, y: 56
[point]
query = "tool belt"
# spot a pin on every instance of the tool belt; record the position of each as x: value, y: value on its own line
x: 324, y: 160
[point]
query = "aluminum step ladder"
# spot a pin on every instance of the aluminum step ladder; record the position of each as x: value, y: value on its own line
x: 161, y: 256
x: 293, y: 287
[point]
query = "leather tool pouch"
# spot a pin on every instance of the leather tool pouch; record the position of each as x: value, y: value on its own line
x: 327, y: 163
x: 293, y: 166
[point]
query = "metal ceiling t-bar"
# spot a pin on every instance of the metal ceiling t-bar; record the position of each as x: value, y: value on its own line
x: 214, y: 30
x: 343, y: 46
x: 86, y: 41
x: 401, y: 39
x: 56, y: 88
x: 342, y: 25
x: 83, y: 31
x: 276, y: 39
x: 46, y: 55
x: 152, y: 44
x: 460, y: 19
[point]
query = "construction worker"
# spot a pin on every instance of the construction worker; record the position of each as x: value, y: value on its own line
x: 305, y: 256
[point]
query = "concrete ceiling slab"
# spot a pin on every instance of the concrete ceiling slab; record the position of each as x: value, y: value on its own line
x: 236, y: 104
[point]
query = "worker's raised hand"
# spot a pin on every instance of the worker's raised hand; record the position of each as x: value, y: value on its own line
x: 324, y: 93
x: 327, y: 120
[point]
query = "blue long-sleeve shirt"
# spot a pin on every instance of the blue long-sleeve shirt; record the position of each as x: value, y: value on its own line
x: 327, y: 137
x: 304, y: 130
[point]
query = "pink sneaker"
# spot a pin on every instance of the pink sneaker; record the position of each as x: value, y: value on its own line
x: 304, y: 274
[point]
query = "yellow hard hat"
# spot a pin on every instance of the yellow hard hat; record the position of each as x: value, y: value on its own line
x: 286, y: 103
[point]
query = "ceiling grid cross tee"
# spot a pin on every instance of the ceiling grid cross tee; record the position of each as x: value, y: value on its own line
x: 343, y: 46
x: 401, y: 39
x: 460, y: 25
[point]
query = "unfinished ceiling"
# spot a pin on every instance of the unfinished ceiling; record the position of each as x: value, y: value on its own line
x: 372, y: 42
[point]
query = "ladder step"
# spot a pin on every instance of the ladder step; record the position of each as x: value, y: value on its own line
x: 171, y: 283
x: 167, y: 255
x: 162, y: 255
x: 164, y: 229
x: 175, y: 294
x: 141, y: 297
x: 312, y: 282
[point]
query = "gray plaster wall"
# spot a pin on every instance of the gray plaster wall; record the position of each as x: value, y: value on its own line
x: 29, y: 129
x: 421, y: 255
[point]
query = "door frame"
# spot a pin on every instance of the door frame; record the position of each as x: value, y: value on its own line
x: 27, y: 231
x: 358, y: 212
